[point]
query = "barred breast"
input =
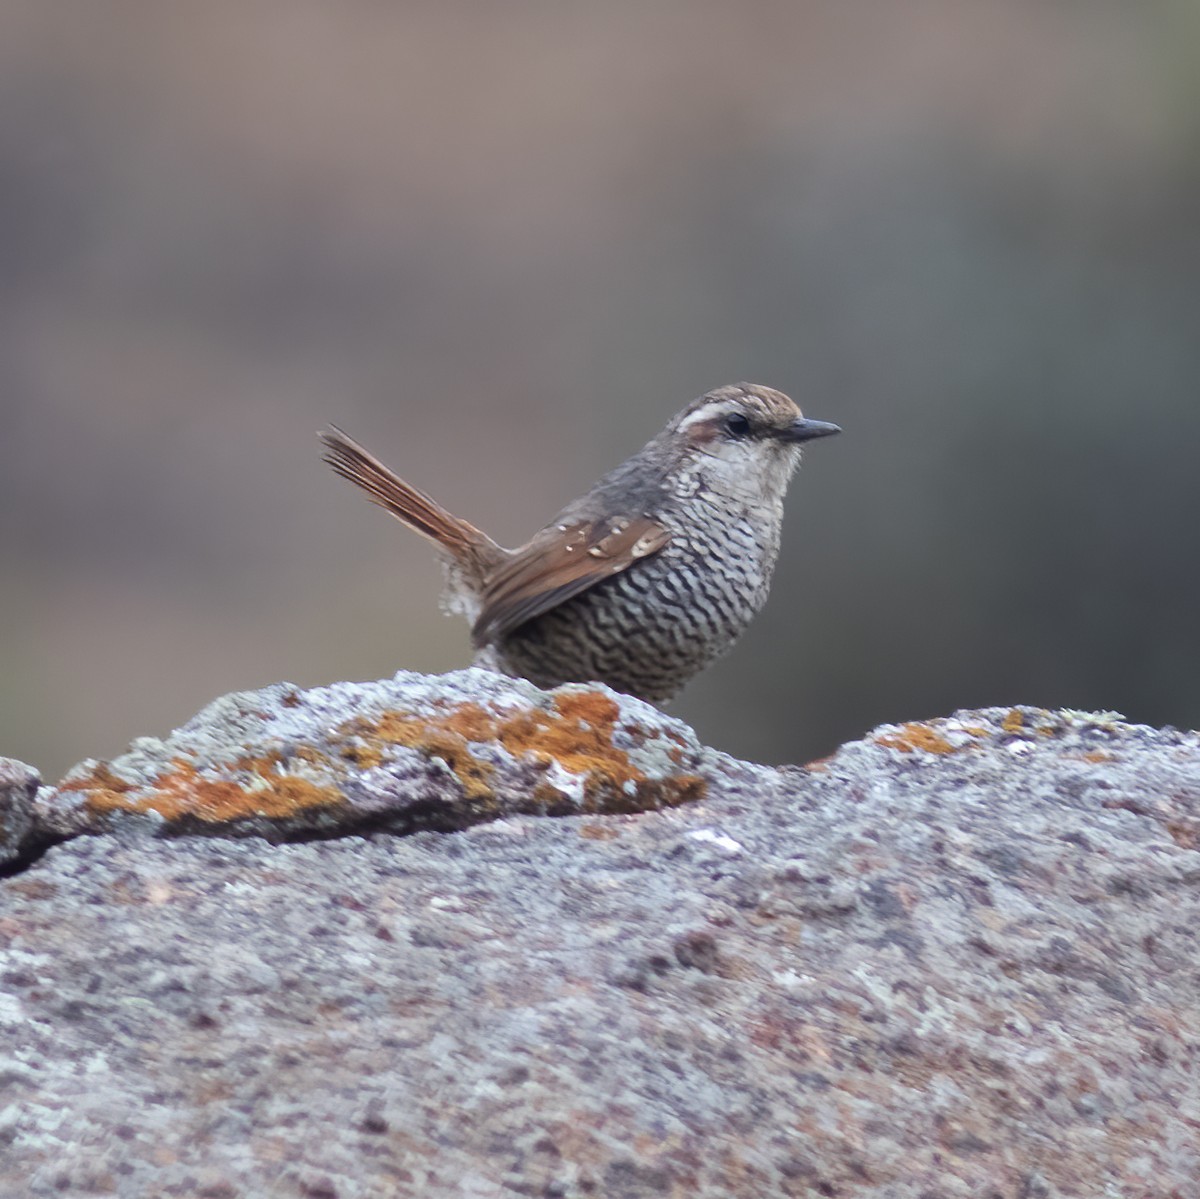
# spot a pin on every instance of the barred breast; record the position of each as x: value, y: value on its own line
x: 648, y: 630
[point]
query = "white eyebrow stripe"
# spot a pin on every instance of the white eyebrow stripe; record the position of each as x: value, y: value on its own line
x: 708, y: 413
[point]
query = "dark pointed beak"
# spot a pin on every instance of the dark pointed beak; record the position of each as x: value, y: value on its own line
x: 806, y: 430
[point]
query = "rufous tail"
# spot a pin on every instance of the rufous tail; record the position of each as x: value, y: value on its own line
x: 471, y: 548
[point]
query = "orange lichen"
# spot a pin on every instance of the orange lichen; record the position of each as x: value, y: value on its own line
x: 362, y: 756
x: 916, y: 736
x: 580, y: 739
x: 183, y: 793
x: 576, y: 735
x: 446, y: 738
x: 1014, y: 722
x: 99, y: 778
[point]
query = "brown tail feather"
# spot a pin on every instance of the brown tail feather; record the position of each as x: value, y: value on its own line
x: 470, y: 547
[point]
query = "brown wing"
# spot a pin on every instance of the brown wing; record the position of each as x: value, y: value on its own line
x: 560, y: 562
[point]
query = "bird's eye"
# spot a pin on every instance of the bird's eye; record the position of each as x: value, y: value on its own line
x: 737, y: 425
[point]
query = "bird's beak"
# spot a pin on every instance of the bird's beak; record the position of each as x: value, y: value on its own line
x: 805, y: 430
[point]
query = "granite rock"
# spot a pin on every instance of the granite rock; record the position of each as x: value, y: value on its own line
x: 956, y: 958
x: 400, y: 754
x: 18, y: 786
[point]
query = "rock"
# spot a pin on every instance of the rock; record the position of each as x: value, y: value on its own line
x: 18, y: 785
x: 400, y: 754
x: 957, y: 958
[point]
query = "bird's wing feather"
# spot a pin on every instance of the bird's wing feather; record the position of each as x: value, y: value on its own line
x: 562, y: 561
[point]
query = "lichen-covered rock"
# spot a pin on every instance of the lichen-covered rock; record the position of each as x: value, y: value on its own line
x: 958, y: 958
x: 399, y: 754
x: 18, y: 785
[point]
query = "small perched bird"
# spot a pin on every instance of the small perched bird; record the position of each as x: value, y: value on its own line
x: 647, y: 578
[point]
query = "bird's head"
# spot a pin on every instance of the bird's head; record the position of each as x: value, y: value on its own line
x: 744, y: 438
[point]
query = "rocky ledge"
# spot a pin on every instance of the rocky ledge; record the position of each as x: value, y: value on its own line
x: 327, y: 944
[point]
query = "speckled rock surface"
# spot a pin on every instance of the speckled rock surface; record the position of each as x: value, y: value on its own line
x: 957, y: 958
x: 400, y: 754
x: 18, y: 786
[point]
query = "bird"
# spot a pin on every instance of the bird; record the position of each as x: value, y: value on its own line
x: 643, y: 581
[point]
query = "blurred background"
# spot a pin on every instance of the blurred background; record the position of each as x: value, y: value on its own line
x: 502, y: 244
